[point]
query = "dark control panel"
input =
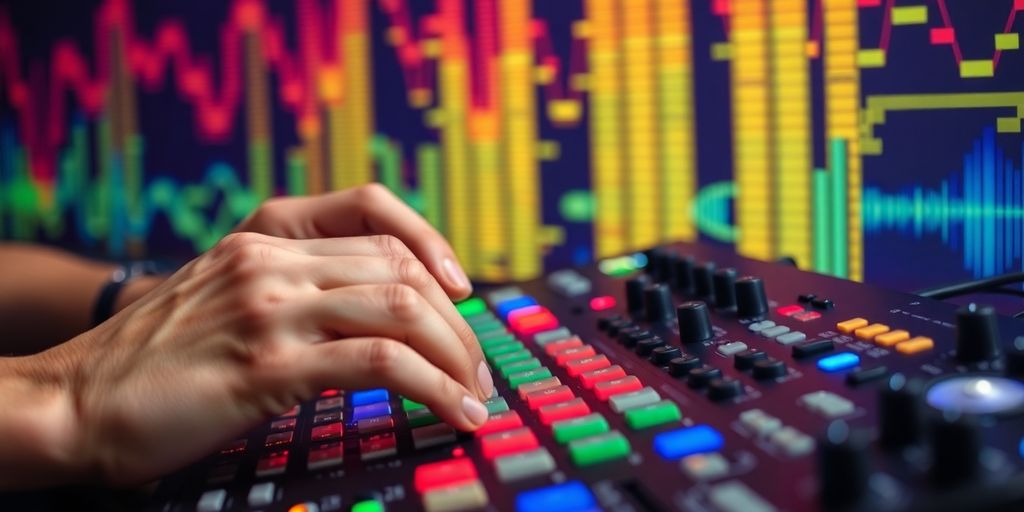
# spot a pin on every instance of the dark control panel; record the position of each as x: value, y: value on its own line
x: 681, y: 378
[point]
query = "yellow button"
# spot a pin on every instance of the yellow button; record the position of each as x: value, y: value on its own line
x: 892, y: 337
x: 866, y: 333
x: 915, y: 345
x: 848, y: 326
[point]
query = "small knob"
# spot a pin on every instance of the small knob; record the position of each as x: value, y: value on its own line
x: 635, y: 293
x: 694, y: 322
x: 646, y: 346
x: 766, y: 369
x: 658, y: 302
x: 724, y: 389
x: 703, y: 281
x: 843, y: 467
x: 956, y: 450
x: 901, y: 414
x: 683, y: 282
x: 667, y: 273
x: 724, y: 281
x: 977, y: 334
x: 681, y: 366
x: 751, y: 301
x: 701, y: 377
x: 656, y: 263
x: 1015, y: 359
x: 665, y: 353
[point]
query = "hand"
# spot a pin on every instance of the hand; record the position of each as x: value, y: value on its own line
x: 366, y: 210
x: 243, y: 333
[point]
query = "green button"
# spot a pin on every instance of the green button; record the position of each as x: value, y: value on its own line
x: 517, y: 379
x: 599, y: 448
x: 368, y: 506
x: 519, y: 366
x: 578, y: 428
x: 496, y: 405
x: 513, y: 357
x: 494, y: 351
x: 421, y: 417
x: 495, y: 338
x: 647, y: 416
x: 488, y: 326
x: 409, y: 405
x: 482, y: 318
x: 471, y: 306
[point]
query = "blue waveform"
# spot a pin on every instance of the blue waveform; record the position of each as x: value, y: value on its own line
x: 978, y: 211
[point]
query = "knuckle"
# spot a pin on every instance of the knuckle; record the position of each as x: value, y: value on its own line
x: 383, y: 356
x: 250, y: 261
x: 272, y: 211
x: 371, y: 192
x: 391, y: 246
x: 413, y: 272
x: 233, y: 241
x: 402, y: 301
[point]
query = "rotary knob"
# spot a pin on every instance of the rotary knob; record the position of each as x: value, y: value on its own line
x: 683, y: 273
x: 843, y: 468
x: 751, y: 300
x: 901, y: 413
x: 977, y: 334
x: 635, y: 293
x: 956, y: 443
x: 724, y: 281
x: 658, y: 303
x: 703, y: 281
x: 694, y: 322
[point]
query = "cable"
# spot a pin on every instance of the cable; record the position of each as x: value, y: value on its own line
x: 955, y: 290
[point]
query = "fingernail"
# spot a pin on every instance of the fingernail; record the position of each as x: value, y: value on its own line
x: 483, y: 374
x: 456, y: 275
x: 474, y: 410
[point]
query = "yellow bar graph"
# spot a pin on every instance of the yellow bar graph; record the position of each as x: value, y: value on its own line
x: 643, y: 201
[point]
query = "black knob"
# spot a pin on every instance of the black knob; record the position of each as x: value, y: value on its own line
x: 630, y: 337
x: 703, y: 280
x: 616, y: 326
x: 745, y: 360
x: 667, y: 273
x: 700, y: 377
x: 901, y: 414
x: 977, y: 334
x: 724, y: 389
x: 766, y: 369
x: 635, y: 293
x: 694, y: 322
x: 1015, y: 359
x: 956, y: 450
x: 843, y: 467
x: 658, y: 302
x: 751, y: 301
x: 665, y: 353
x: 724, y: 281
x: 681, y: 366
x: 683, y: 282
x: 656, y: 263
x: 645, y: 347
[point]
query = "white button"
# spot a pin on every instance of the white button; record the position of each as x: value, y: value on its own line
x: 261, y: 494
x: 760, y: 326
x: 772, y: 332
x: 705, y: 466
x: 735, y: 496
x: 732, y: 348
x: 212, y: 501
x: 791, y: 337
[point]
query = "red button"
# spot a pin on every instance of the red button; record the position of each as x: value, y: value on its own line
x: 602, y: 303
x: 508, y: 442
x: 501, y: 421
x: 607, y: 389
x: 549, y: 396
x: 789, y: 310
x: 807, y: 316
x: 329, y: 393
x: 574, y: 353
x: 446, y: 473
x: 331, y: 431
x: 579, y: 366
x: 563, y: 411
x: 272, y: 463
x: 591, y: 378
x: 565, y: 344
x: 539, y: 321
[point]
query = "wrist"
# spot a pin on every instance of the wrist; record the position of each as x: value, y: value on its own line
x: 134, y: 289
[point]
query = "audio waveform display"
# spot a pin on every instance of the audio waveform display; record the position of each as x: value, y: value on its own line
x: 533, y: 134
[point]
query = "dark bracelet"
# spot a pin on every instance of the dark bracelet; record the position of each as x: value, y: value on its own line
x: 104, y: 306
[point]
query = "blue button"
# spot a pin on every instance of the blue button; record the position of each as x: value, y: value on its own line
x: 370, y: 396
x: 677, y: 444
x: 507, y: 306
x: 571, y: 496
x: 838, y: 362
x: 371, y: 411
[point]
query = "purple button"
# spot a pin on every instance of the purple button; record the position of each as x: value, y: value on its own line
x: 371, y: 411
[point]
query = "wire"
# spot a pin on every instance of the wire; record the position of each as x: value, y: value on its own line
x: 1004, y: 291
x: 956, y: 290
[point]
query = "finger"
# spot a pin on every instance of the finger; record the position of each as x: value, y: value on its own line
x: 393, y: 311
x: 338, y: 271
x: 373, y: 209
x: 360, y: 363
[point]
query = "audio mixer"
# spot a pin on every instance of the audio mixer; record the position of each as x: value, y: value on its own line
x: 681, y: 378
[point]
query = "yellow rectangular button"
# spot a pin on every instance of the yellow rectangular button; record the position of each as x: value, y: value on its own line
x: 869, y: 332
x: 848, y: 326
x: 892, y: 337
x: 913, y: 346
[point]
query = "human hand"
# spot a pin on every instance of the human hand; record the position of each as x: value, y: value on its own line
x: 244, y: 332
x: 369, y: 209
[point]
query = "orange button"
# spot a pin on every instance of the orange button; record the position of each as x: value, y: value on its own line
x: 445, y: 473
x: 566, y: 410
x: 892, y: 337
x: 549, y: 396
x: 915, y: 345
x: 869, y: 332
x: 591, y: 378
x: 525, y: 325
x: 565, y: 344
x: 579, y: 366
x: 605, y: 390
x: 848, y: 326
x: 574, y: 353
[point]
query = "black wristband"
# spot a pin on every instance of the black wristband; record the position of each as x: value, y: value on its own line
x: 104, y: 306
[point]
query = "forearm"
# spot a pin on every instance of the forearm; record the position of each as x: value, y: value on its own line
x: 37, y: 426
x: 47, y: 296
